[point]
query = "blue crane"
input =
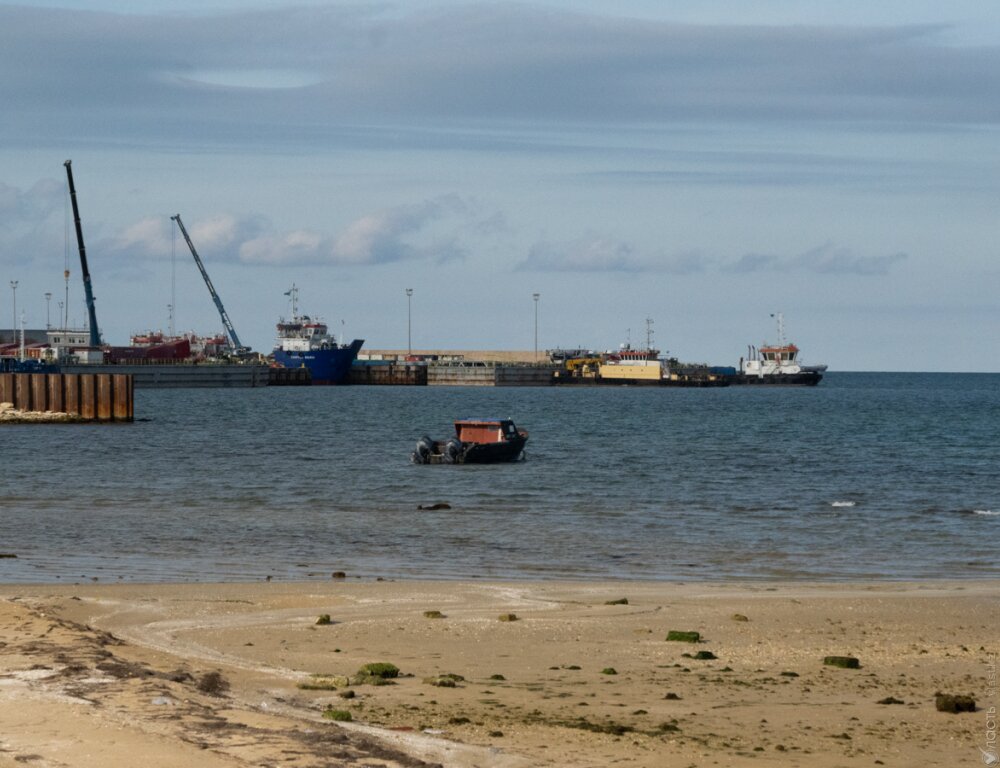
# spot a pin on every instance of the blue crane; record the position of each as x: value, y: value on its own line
x: 237, y: 347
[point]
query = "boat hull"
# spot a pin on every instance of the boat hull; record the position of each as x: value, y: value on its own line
x: 801, y: 379
x: 494, y: 453
x: 326, y: 366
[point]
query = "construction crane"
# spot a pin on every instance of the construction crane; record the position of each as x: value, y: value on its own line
x: 237, y: 347
x: 95, y: 335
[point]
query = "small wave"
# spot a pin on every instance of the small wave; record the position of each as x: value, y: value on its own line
x: 988, y: 512
x: 843, y: 503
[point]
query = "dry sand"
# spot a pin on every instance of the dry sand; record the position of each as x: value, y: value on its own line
x: 113, y: 675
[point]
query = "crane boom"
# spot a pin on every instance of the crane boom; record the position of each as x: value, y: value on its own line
x: 95, y: 335
x: 234, y: 339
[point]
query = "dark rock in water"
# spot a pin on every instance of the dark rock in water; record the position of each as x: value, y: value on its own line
x: 676, y: 635
x: 8, y: 556
x: 338, y: 575
x: 844, y: 662
x: 434, y: 507
x: 949, y: 702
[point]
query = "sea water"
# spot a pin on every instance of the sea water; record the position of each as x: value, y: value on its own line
x: 867, y: 476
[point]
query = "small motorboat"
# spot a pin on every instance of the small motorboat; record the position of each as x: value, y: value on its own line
x: 476, y: 441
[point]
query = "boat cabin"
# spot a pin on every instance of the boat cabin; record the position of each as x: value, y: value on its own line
x: 485, y: 430
x: 785, y: 354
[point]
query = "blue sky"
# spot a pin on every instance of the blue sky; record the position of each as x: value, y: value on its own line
x: 702, y: 164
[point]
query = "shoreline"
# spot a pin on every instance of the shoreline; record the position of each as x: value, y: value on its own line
x: 82, y: 658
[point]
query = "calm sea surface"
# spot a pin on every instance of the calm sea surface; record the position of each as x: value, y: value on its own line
x: 893, y: 476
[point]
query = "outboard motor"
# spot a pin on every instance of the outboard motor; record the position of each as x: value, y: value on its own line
x: 425, y: 447
x: 452, y: 450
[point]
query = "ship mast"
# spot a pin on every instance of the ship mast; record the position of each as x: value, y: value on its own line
x: 781, y: 327
x: 294, y: 293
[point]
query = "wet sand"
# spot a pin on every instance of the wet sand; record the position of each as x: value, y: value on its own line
x: 94, y: 675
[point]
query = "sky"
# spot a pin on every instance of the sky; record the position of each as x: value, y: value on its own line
x: 690, y: 167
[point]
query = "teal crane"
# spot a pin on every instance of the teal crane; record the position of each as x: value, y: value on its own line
x: 237, y: 347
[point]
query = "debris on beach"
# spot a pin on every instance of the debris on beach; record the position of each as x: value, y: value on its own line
x: 954, y: 703
x: 338, y: 715
x: 376, y: 673
x: 619, y: 601
x: 844, y: 662
x: 323, y: 620
x: 213, y: 683
x: 508, y: 617
x: 683, y: 636
x: 433, y: 615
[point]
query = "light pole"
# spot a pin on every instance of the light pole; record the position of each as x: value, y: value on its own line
x: 409, y: 323
x: 61, y: 313
x: 13, y: 327
x: 48, y: 305
x: 535, y: 297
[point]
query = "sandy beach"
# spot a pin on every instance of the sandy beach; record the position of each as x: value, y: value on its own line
x: 242, y: 674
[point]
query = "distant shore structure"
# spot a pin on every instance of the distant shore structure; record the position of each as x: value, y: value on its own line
x: 483, y: 355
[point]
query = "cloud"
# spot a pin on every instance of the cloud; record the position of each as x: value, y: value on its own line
x: 432, y: 229
x: 193, y: 78
x: 596, y: 253
x: 383, y: 236
x: 826, y: 259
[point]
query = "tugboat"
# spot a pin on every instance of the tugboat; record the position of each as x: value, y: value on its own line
x: 476, y: 441
x: 303, y: 342
x: 777, y: 364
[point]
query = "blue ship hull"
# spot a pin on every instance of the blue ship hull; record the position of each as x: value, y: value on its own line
x: 327, y: 366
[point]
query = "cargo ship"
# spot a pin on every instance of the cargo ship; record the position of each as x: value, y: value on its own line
x: 305, y: 342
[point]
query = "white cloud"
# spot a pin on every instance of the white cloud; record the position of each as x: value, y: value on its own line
x: 432, y: 229
x: 388, y: 235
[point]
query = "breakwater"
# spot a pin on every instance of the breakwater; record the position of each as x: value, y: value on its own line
x: 83, y: 396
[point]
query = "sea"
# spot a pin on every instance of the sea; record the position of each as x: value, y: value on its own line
x: 868, y: 476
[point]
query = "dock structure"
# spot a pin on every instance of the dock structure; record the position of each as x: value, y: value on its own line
x: 102, y: 397
x: 489, y: 374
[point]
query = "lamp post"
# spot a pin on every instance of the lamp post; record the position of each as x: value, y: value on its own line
x: 48, y: 306
x: 13, y: 327
x: 409, y: 323
x: 61, y: 313
x: 535, y: 297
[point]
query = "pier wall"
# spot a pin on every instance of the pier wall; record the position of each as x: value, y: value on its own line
x: 148, y: 376
x: 86, y: 396
x: 378, y: 372
x: 487, y: 375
